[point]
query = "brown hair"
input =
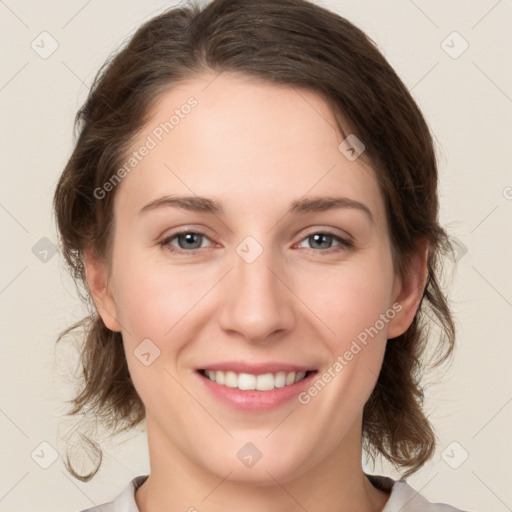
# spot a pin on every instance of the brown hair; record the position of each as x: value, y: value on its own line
x: 291, y: 42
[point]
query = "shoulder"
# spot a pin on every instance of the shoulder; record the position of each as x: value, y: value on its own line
x: 124, y: 502
x: 403, y: 498
x: 408, y: 499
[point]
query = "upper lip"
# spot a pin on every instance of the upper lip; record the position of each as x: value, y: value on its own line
x: 255, y: 368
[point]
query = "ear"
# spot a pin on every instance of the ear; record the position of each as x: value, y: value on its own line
x: 409, y: 291
x: 96, y: 271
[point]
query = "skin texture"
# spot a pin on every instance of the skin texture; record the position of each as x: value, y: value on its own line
x: 254, y: 147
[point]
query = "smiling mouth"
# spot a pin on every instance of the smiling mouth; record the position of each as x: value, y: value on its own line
x: 250, y: 382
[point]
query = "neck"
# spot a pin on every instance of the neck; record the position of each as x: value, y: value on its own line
x: 337, y: 483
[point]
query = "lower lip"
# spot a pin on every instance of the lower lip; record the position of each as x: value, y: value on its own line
x: 254, y: 400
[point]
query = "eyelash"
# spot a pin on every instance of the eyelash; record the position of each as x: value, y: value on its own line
x: 344, y: 243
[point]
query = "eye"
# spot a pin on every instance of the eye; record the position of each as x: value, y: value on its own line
x: 188, y: 241
x: 323, y: 240
x: 191, y: 241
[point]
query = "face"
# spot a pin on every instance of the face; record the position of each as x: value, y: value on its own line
x: 256, y: 278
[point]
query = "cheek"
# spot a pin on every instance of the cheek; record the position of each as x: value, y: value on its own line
x: 154, y: 303
x: 349, y: 299
x: 163, y: 304
x: 356, y: 348
x: 152, y: 298
x: 353, y: 303
x: 146, y: 307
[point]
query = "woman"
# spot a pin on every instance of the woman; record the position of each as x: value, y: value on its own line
x: 275, y: 140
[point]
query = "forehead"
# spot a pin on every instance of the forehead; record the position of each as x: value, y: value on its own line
x: 245, y: 142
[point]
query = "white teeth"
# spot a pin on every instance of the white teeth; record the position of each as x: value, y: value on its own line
x: 230, y: 380
x: 247, y: 381
x: 265, y: 382
x: 280, y: 379
x: 300, y: 376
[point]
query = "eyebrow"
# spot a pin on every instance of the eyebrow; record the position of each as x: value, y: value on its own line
x: 306, y: 205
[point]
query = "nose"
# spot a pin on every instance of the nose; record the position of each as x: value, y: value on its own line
x: 258, y: 304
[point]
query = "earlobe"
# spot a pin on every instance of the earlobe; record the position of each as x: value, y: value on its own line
x: 409, y: 291
x: 96, y: 272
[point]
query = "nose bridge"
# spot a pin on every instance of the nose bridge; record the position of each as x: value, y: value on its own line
x: 257, y: 302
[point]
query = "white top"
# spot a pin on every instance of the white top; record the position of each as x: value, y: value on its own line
x: 403, y: 498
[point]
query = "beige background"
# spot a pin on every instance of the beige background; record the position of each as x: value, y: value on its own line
x: 468, y: 103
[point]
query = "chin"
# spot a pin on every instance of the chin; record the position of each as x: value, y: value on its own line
x: 258, y: 467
